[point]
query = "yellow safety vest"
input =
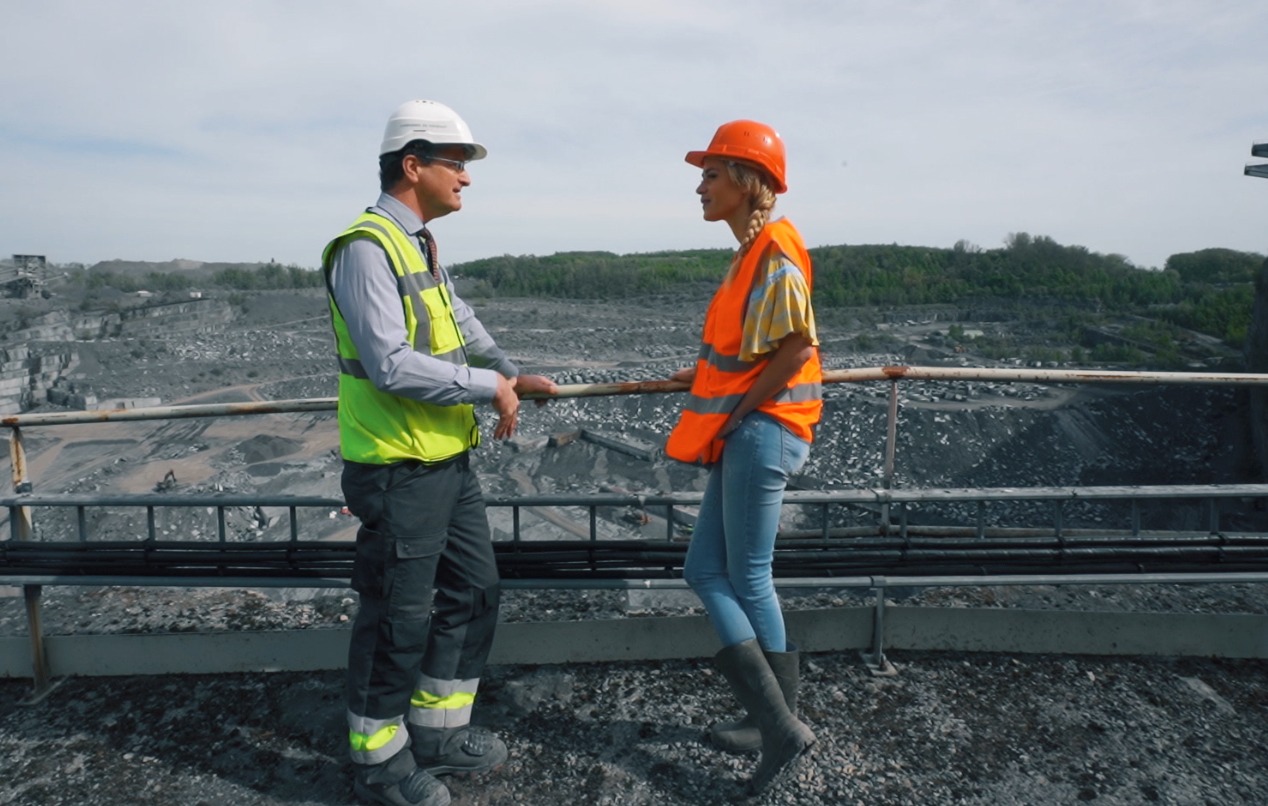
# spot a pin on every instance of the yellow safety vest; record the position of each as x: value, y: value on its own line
x: 377, y: 427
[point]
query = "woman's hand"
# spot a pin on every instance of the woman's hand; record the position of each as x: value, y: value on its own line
x: 791, y: 354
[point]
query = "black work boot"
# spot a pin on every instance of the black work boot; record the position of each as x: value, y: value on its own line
x: 399, y: 782
x: 743, y: 736
x: 462, y: 751
x: 784, y: 737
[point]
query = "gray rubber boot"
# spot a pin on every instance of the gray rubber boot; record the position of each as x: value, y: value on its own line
x: 742, y: 736
x: 784, y: 737
x: 399, y: 782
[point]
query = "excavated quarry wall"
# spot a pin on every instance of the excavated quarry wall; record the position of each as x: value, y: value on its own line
x: 26, y: 375
x: 42, y: 352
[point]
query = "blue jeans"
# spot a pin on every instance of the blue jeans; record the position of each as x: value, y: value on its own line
x: 728, y: 563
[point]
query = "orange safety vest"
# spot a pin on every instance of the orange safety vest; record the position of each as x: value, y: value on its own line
x: 722, y: 378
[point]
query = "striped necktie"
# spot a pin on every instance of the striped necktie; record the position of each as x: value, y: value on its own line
x: 429, y: 249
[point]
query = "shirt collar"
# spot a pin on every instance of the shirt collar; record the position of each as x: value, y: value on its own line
x: 394, y: 209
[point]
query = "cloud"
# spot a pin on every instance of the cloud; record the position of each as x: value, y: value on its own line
x: 248, y: 130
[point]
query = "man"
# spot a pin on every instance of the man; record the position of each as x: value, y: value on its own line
x: 413, y: 362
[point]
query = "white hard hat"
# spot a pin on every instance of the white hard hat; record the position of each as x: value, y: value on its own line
x: 431, y: 121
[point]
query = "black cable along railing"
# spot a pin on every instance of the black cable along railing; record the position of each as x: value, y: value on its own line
x: 865, y: 556
x: 829, y: 553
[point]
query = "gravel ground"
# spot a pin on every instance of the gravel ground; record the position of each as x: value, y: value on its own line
x: 949, y: 728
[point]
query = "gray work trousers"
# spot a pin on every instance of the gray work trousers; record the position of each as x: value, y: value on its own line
x: 427, y: 578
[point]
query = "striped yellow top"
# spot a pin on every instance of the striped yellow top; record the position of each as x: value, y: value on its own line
x: 778, y: 305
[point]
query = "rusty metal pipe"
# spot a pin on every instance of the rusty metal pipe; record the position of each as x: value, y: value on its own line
x: 855, y: 375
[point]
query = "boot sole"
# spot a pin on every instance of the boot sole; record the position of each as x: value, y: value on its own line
x: 371, y: 796
x: 781, y: 770
x: 464, y: 772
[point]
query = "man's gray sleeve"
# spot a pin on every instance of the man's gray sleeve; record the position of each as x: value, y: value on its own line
x: 364, y: 289
x: 482, y: 351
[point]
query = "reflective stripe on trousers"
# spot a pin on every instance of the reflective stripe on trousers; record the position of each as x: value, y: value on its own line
x: 442, y: 703
x: 374, y: 741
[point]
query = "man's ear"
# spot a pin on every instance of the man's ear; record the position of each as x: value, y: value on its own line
x: 411, y: 166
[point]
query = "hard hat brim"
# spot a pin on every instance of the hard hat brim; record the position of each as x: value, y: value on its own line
x: 475, y: 151
x: 697, y: 159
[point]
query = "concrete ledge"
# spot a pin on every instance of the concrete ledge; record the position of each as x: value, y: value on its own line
x: 634, y: 639
x: 1230, y: 635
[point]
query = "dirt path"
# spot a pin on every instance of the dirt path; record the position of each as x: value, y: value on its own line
x: 140, y: 454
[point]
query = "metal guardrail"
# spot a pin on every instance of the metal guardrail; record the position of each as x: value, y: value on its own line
x: 883, y: 549
x: 893, y: 553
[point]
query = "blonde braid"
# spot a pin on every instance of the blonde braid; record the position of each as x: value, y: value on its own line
x: 761, y: 195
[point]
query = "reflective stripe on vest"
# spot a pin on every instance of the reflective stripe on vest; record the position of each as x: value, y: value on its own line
x: 722, y: 378
x: 377, y: 427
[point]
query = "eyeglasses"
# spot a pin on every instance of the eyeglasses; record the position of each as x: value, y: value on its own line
x: 458, y: 166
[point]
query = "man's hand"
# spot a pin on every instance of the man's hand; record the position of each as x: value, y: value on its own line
x: 535, y: 384
x: 507, y: 404
x: 686, y: 375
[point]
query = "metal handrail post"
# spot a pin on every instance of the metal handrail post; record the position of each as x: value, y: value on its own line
x: 30, y: 593
x: 874, y: 658
x: 891, y: 449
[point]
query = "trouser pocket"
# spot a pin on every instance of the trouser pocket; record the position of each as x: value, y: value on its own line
x: 383, y: 563
x: 410, y: 576
x: 794, y: 451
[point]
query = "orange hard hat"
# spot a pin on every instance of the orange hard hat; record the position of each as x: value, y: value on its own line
x: 748, y: 141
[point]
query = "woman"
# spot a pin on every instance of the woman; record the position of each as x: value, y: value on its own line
x: 755, y: 398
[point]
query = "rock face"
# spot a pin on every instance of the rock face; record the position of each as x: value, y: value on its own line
x: 26, y: 374
x: 44, y: 356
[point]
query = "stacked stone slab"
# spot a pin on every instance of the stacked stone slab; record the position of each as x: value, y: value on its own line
x: 26, y: 376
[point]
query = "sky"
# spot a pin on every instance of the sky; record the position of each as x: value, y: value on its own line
x: 248, y: 130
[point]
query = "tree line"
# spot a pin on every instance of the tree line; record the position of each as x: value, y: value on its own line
x: 266, y: 277
x: 1210, y: 291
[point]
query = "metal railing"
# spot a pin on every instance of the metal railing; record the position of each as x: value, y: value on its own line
x: 890, y: 553
x: 886, y: 548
